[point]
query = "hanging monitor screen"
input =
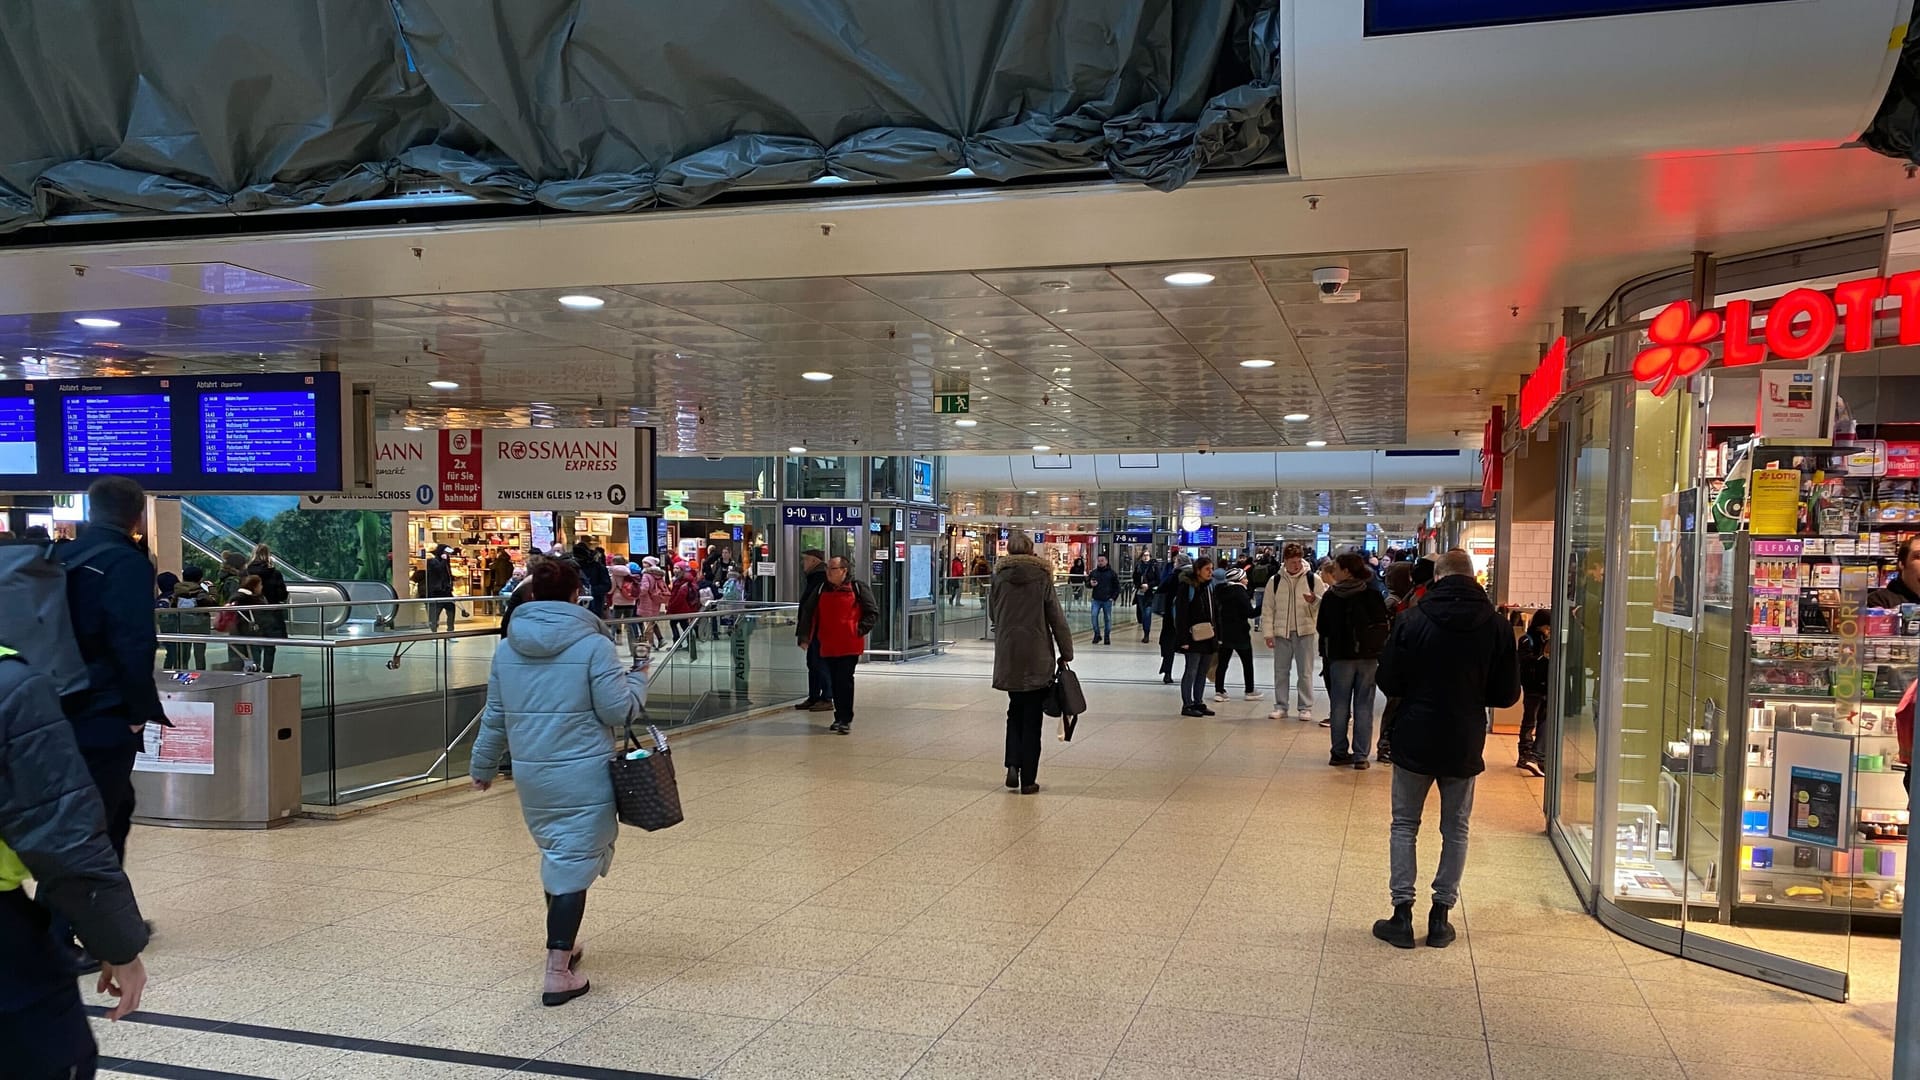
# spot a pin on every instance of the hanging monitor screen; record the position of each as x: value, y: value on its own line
x: 176, y: 433
x: 19, y: 446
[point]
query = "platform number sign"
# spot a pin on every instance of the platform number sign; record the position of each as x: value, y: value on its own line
x: 953, y: 403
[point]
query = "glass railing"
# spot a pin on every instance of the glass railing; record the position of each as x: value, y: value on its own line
x: 386, y: 709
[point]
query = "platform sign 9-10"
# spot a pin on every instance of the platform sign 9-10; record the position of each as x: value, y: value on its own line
x: 175, y: 433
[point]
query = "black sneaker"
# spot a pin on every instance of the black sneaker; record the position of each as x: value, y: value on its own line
x: 1340, y: 761
x: 1013, y: 777
x: 838, y: 727
x: 1204, y: 711
x: 1189, y: 710
x: 1532, y: 767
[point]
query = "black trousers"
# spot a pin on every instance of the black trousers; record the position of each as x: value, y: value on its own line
x: 564, y: 913
x: 1224, y: 656
x: 112, y: 772
x: 1167, y: 651
x: 840, y: 677
x: 1533, y: 726
x: 43, y: 1032
x: 1024, y: 721
x: 434, y: 611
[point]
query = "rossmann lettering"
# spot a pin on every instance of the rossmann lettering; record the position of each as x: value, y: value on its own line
x: 557, y: 449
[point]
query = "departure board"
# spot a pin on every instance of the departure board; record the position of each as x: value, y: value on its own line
x: 19, y: 450
x: 130, y: 434
x: 262, y: 432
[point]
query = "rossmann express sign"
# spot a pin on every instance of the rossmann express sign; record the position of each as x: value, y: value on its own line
x: 605, y: 469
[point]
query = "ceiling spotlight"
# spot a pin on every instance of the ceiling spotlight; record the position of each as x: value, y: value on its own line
x: 1189, y: 277
x: 1041, y: 448
x: 1256, y: 363
x: 582, y: 302
x: 1206, y: 498
x: 1055, y: 286
x: 1316, y: 442
x: 1186, y: 491
x: 93, y: 322
x: 1296, y: 417
x: 817, y: 376
x: 964, y: 422
x: 412, y: 427
x: 443, y: 384
x: 796, y: 449
x: 1033, y: 493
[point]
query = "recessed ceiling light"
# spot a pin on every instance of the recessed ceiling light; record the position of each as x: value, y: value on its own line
x: 1041, y: 448
x: 411, y: 427
x: 1316, y: 442
x: 1206, y: 498
x: 963, y: 422
x: 1056, y: 286
x: 443, y: 384
x: 1186, y: 491
x: 1033, y: 493
x: 817, y: 376
x: 582, y: 302
x: 1189, y: 277
x: 796, y: 449
x: 1256, y: 363
x: 1296, y: 417
x: 93, y: 322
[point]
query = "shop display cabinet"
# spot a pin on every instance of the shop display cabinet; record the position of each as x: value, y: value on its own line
x: 1812, y: 654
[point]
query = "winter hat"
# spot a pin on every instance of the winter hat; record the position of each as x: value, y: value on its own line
x: 651, y: 563
x: 1236, y: 576
x: 634, y: 567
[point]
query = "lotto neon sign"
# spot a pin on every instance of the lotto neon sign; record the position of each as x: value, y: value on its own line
x: 1543, y: 388
x: 1799, y: 325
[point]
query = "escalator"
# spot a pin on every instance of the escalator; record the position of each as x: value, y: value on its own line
x: 363, y: 602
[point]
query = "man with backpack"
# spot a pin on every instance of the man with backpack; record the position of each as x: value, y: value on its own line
x: 1448, y: 660
x: 1290, y: 603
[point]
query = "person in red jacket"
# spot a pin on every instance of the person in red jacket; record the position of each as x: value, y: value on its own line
x: 845, y: 615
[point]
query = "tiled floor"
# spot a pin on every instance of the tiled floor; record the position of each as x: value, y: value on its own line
x: 1186, y: 898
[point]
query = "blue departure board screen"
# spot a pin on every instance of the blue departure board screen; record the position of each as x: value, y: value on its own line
x: 254, y: 432
x: 1418, y: 16
x: 265, y: 432
x: 131, y: 434
x: 19, y: 445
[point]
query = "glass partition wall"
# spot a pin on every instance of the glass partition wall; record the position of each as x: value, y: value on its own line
x: 1678, y: 696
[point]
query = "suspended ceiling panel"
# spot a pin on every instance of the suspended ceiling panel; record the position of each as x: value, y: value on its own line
x: 1076, y: 358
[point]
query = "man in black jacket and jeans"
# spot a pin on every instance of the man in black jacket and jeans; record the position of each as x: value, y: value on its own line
x: 1448, y: 661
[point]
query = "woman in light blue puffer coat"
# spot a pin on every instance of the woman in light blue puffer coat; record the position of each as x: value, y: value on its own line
x: 555, y: 697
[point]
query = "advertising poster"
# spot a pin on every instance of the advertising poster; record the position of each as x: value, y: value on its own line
x: 186, y: 747
x: 922, y: 481
x: 1773, y: 508
x: 1675, y: 595
x: 1812, y: 773
x: 1790, y: 405
x: 508, y: 469
x: 920, y: 572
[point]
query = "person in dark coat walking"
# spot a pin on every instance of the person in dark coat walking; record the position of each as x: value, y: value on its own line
x: 1105, y: 585
x: 1536, y: 660
x: 438, y: 582
x: 270, y: 623
x: 1233, y: 621
x: 1031, y: 641
x: 595, y: 578
x: 1195, y: 630
x: 1352, y: 625
x: 1077, y: 576
x: 1146, y: 578
x: 1448, y: 660
x: 813, y: 566
x: 1163, y: 606
x: 53, y: 829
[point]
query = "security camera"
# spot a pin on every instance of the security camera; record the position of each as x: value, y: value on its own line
x: 1331, y: 279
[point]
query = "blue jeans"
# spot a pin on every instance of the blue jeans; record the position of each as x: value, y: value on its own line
x: 1350, y: 690
x: 1102, y: 609
x: 1143, y: 610
x: 1193, y: 678
x: 819, y: 679
x: 1409, y: 801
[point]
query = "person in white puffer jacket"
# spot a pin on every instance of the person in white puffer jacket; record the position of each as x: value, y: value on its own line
x: 1289, y: 607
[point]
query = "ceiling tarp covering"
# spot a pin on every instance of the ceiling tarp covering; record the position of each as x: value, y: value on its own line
x: 1895, y: 130
x: 197, y: 106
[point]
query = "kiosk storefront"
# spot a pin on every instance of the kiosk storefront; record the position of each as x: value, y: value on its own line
x: 1740, y: 464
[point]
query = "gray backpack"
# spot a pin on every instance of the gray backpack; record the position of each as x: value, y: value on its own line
x: 34, y: 620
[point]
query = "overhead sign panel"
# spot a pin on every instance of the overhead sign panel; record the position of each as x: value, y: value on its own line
x: 242, y: 433
x: 605, y: 469
x: 1419, y: 16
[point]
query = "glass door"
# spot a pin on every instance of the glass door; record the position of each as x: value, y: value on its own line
x: 1581, y: 641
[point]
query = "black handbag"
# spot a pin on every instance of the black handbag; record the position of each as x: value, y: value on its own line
x: 646, y: 794
x: 1065, y: 701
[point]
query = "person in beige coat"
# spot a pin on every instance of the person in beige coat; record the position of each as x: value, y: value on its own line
x: 1029, y: 629
x: 1290, y: 607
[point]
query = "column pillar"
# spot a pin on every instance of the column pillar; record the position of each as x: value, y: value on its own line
x: 163, y: 533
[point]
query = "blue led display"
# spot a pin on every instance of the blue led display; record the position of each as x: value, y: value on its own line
x: 1416, y: 16
x: 131, y: 434
x: 266, y: 432
x: 19, y: 450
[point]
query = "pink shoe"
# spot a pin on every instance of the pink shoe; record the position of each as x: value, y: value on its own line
x: 562, y: 984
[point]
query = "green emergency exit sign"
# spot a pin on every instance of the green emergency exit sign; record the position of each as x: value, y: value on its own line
x: 953, y: 403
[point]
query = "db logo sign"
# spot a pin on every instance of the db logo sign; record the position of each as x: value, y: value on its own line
x: 243, y: 708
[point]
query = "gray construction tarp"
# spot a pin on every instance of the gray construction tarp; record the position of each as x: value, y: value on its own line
x: 210, y: 106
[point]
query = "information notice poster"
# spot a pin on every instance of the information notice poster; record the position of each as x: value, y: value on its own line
x: 186, y: 747
x: 1812, y: 775
x: 1773, y: 508
x: 920, y: 572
